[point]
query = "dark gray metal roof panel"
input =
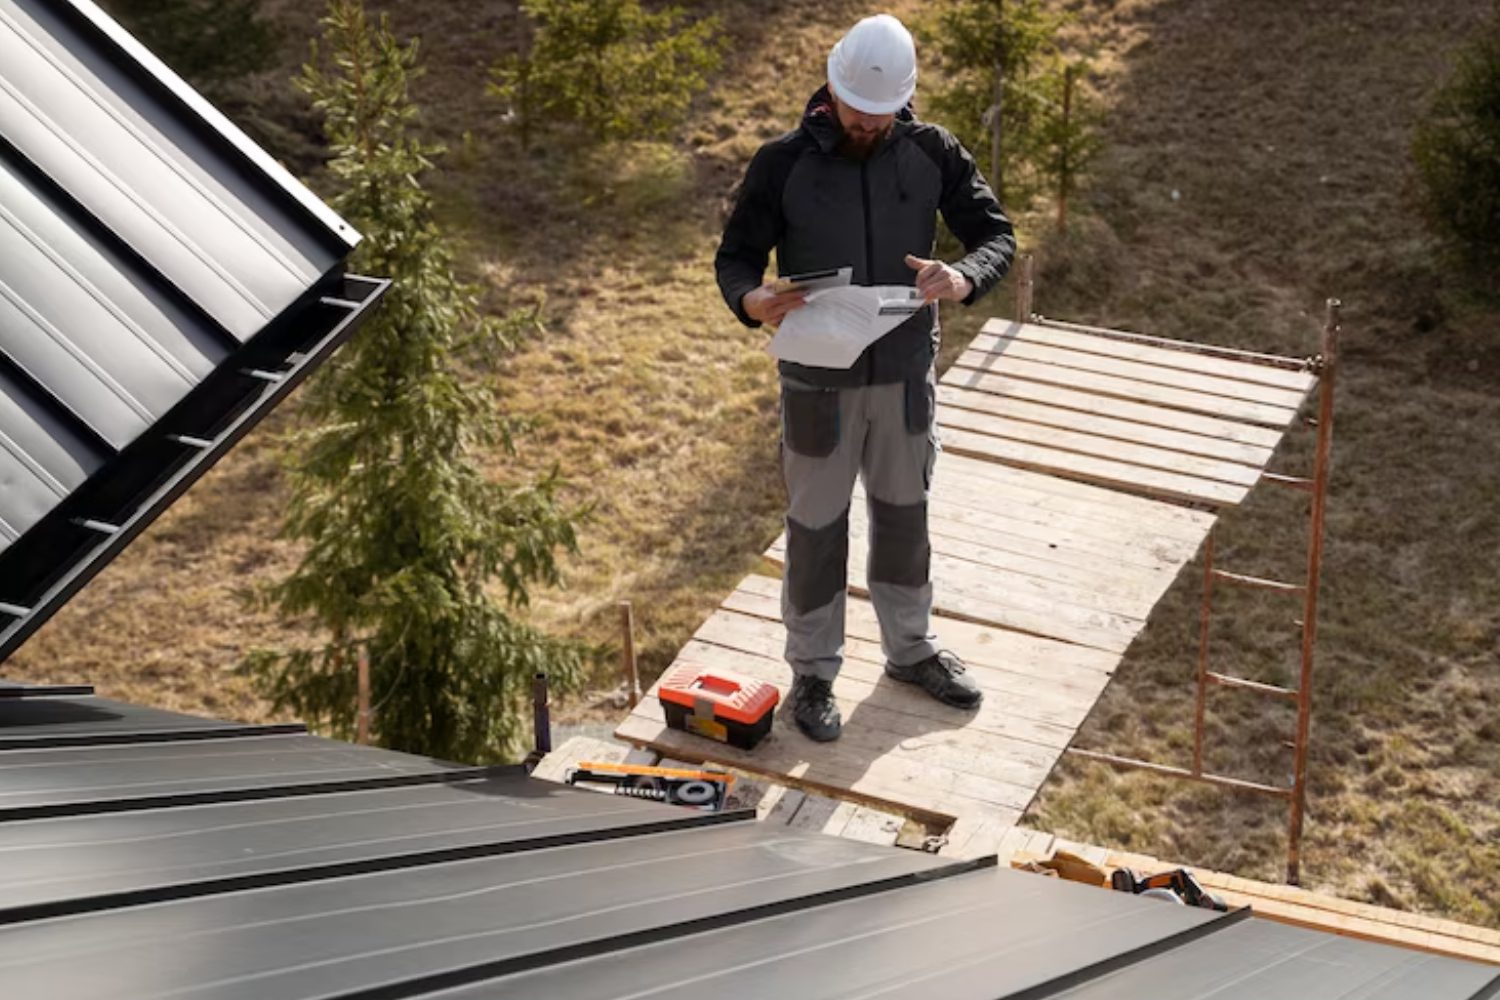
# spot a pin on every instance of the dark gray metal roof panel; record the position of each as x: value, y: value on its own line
x: 57, y: 555
x: 980, y: 936
x: 43, y: 442
x: 38, y: 347
x: 1262, y: 960
x: 347, y: 935
x: 77, y: 863
x: 77, y: 720
x: 106, y: 367
x: 135, y: 59
x: 81, y: 780
x: 163, y: 283
x: 76, y: 275
x: 33, y: 482
x: 83, y: 320
x: 274, y: 867
x: 70, y: 109
x: 41, y: 461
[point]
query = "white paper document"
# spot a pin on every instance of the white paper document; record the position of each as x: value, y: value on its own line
x: 837, y: 324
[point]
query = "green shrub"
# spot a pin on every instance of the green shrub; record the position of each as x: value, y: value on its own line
x: 1457, y: 153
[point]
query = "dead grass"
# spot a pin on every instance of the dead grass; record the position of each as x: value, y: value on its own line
x: 1284, y: 131
x: 1281, y: 126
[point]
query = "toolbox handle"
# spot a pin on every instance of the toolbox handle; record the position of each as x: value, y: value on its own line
x: 716, y: 684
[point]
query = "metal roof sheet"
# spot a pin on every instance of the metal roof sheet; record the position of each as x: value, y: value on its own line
x: 111, y: 778
x: 81, y: 112
x: 162, y: 281
x: 978, y: 936
x: 12, y: 689
x: 84, y: 719
x: 1261, y: 960
x: 294, y: 867
x: 79, y: 863
x: 347, y: 936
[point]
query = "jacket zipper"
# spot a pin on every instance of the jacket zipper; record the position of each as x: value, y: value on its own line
x: 864, y: 193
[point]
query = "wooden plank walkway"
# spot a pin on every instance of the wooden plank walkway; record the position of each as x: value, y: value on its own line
x: 1080, y: 472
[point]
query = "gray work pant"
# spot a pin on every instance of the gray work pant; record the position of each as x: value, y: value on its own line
x: 887, y: 435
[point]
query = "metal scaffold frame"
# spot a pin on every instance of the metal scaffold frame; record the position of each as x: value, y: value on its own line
x: 1325, y: 366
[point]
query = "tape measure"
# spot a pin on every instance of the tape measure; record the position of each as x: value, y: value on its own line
x: 706, y: 790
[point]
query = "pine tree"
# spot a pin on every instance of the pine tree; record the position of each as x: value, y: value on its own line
x: 1068, y: 131
x: 608, y: 67
x: 405, y: 536
x: 991, y: 53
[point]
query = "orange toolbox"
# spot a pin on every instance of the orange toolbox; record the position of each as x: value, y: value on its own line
x: 719, y: 704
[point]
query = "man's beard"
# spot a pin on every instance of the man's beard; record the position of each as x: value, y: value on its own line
x: 859, y: 145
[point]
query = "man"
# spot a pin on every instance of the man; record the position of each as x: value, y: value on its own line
x: 860, y: 184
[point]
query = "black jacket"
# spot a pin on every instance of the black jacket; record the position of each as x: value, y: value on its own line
x: 820, y: 210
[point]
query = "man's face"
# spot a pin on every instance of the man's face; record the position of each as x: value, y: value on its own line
x: 862, y: 132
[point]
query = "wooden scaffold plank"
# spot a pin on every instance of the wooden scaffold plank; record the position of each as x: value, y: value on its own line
x: 1120, y: 387
x: 953, y: 398
x: 1155, y: 354
x: 1151, y: 373
x: 1002, y: 385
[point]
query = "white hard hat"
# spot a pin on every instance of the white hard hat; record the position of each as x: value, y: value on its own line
x: 874, y: 67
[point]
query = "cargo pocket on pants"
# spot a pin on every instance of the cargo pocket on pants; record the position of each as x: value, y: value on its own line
x: 921, y: 402
x: 810, y: 421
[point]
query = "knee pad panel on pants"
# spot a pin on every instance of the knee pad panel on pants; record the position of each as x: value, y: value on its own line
x: 899, y: 549
x: 817, y: 562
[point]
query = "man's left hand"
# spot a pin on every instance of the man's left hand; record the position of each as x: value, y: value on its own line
x: 936, y: 280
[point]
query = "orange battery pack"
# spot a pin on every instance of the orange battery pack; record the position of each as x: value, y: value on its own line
x: 719, y: 704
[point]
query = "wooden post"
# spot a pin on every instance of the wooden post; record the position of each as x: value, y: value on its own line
x: 1328, y: 365
x: 1024, y: 283
x: 362, y: 724
x: 541, y: 714
x: 1205, y: 612
x: 627, y: 654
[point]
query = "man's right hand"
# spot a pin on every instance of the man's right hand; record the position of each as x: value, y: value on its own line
x: 770, y: 307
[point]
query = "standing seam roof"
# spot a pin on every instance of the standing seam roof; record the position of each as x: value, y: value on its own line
x: 161, y: 278
x: 154, y: 854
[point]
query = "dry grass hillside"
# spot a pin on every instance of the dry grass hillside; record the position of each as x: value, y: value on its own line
x: 1284, y: 129
x: 1282, y: 125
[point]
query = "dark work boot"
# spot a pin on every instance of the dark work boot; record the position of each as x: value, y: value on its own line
x: 943, y: 676
x: 814, y: 709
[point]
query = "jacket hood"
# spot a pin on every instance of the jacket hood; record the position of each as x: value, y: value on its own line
x: 822, y: 122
